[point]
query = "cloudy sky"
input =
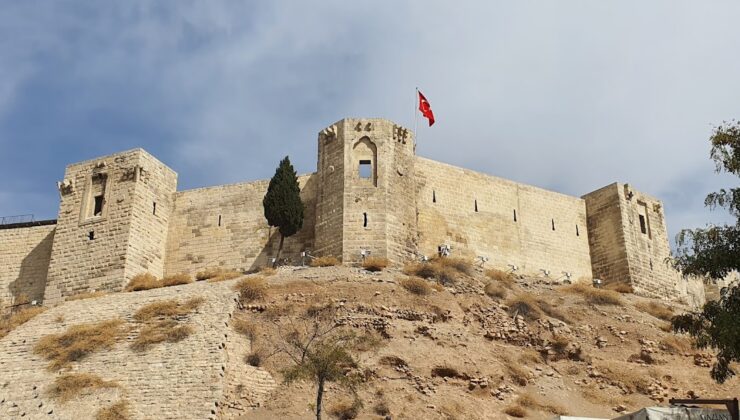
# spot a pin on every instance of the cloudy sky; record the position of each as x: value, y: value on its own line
x: 566, y: 95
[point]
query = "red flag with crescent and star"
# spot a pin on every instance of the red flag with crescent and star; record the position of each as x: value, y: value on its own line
x: 425, y: 108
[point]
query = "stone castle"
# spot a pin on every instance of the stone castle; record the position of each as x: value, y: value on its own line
x: 121, y: 215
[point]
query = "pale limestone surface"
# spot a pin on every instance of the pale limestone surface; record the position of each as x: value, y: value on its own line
x: 370, y: 192
x: 184, y: 380
x: 24, y: 263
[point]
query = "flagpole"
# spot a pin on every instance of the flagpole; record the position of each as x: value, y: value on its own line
x: 416, y: 119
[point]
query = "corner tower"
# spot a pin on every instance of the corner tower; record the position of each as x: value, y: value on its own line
x: 366, y: 190
x: 112, y: 223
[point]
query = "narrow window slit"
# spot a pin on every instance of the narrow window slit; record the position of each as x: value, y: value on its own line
x: 91, y: 235
x: 219, y: 220
x: 98, y: 210
x: 154, y: 209
x: 553, y: 224
x: 577, y: 233
x: 434, y: 196
x: 476, y: 206
x: 515, y: 215
x: 364, y: 216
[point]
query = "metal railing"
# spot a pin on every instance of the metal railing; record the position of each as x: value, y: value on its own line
x: 21, y: 218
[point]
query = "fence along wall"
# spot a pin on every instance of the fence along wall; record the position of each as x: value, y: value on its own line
x: 508, y: 222
x: 225, y: 226
x: 24, y: 263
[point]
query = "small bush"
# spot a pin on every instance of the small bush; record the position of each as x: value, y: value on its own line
x: 216, y: 274
x: 251, y: 289
x: 117, y: 411
x: 393, y: 361
x: 253, y: 359
x: 655, y: 309
x: 444, y: 270
x: 416, y: 286
x: 593, y: 295
x: 676, y: 345
x: 207, y: 273
x: 86, y: 295
x: 374, y: 264
x: 446, y: 372
x: 516, y: 411
x: 77, y: 342
x: 225, y: 275
x: 143, y: 281
x: 530, y: 401
x: 244, y: 327
x: 167, y: 308
x: 458, y: 264
x: 71, y: 385
x: 267, y: 271
x: 516, y: 372
x: 495, y: 290
x: 327, y: 261
x: 500, y: 276
x: 559, y: 345
x: 526, y: 305
x: 619, y: 287
x: 162, y: 331
x: 12, y: 321
x: 346, y: 409
x: 176, y: 280
x: 381, y: 408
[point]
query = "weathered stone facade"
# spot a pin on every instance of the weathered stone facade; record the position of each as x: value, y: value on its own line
x: 120, y: 215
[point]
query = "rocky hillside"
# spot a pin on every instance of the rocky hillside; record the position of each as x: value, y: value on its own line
x: 462, y: 344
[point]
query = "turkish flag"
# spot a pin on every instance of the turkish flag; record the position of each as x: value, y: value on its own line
x: 425, y: 108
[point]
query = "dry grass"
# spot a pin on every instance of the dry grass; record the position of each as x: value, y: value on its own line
x: 12, y: 321
x: 495, y: 290
x: 117, y: 411
x: 516, y: 411
x: 500, y: 276
x: 619, y: 287
x: 634, y: 380
x: 216, y: 274
x: 327, y: 261
x: 593, y: 295
x: 381, y: 408
x: 533, y: 402
x: 162, y: 331
x: 143, y: 281
x: 526, y: 305
x: 446, y: 372
x: 167, y: 308
x: 559, y: 345
x: 374, y: 264
x: 244, y: 327
x: 393, y: 361
x: 253, y: 359
x: 267, y: 271
x: 176, y: 280
x: 86, y: 295
x: 77, y: 342
x: 440, y: 272
x: 251, y: 289
x: 676, y: 345
x: 225, y: 275
x: 71, y: 385
x: 345, y: 409
x: 517, y: 373
x: 529, y: 356
x: 416, y: 286
x: 656, y: 309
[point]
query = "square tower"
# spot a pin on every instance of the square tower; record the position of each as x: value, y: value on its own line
x: 112, y: 223
x: 366, y: 191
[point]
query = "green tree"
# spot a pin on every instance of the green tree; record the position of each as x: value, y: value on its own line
x: 714, y: 252
x: 282, y: 202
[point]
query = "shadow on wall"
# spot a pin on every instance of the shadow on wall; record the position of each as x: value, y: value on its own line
x: 31, y: 282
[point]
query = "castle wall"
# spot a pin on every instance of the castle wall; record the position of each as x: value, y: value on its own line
x: 606, y: 235
x: 107, y: 230
x: 330, y: 194
x: 225, y: 226
x: 24, y: 262
x: 447, y: 197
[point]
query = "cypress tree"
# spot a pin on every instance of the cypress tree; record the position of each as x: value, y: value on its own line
x: 282, y: 202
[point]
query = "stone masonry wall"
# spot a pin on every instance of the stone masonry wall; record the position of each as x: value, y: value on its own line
x: 225, y: 226
x: 510, y: 223
x: 606, y: 235
x: 330, y: 193
x: 24, y: 263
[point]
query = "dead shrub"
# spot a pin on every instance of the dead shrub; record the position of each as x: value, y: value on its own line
x: 444, y: 270
x: 516, y: 411
x: 559, y: 345
x: 374, y: 264
x: 176, y: 280
x: 346, y: 409
x: 117, y: 411
x: 15, y: 319
x: 634, y: 380
x: 167, y: 308
x: 144, y: 281
x: 70, y: 385
x: 267, y: 271
x: 516, y: 372
x: 573, y: 370
x: 495, y: 290
x: 416, y: 286
x: 594, y: 295
x: 251, y: 289
x: 326, y: 261
x: 225, y: 275
x: 500, y: 276
x: 619, y: 287
x: 529, y: 356
x: 162, y: 331
x: 381, y: 408
x: 551, y: 311
x: 86, y: 295
x: 393, y: 361
x: 446, y: 372
x: 458, y: 264
x: 77, y: 342
x: 644, y: 357
x: 531, y: 401
x: 253, y: 359
x: 216, y: 274
x: 526, y: 305
x: 676, y: 345
x: 656, y: 309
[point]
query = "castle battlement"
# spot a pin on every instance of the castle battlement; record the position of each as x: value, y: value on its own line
x: 121, y: 215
